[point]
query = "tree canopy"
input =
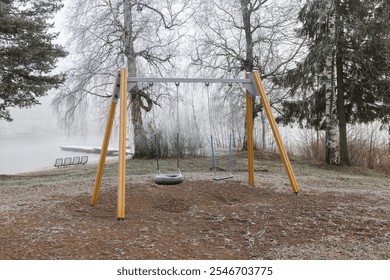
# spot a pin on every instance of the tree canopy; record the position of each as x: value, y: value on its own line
x: 27, y: 53
x: 363, y: 47
x: 107, y: 35
x: 360, y: 46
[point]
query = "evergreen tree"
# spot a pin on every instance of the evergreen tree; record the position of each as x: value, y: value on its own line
x: 27, y: 53
x: 361, y: 64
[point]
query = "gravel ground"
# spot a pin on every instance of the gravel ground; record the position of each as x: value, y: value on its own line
x: 340, y: 213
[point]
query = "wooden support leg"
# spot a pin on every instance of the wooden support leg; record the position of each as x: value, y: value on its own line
x: 122, y: 146
x: 107, y: 135
x: 275, y: 130
x: 249, y: 133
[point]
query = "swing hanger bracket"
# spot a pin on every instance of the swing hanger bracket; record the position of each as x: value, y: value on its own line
x: 116, y: 93
x: 250, y: 86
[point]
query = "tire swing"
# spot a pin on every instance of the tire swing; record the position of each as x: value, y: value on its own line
x: 170, y: 178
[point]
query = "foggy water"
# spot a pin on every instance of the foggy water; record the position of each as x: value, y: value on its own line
x: 24, y: 152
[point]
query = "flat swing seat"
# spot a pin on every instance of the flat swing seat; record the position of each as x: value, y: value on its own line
x: 222, y: 177
x: 169, y: 179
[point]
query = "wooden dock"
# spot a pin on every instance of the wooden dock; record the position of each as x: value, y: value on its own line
x: 87, y: 149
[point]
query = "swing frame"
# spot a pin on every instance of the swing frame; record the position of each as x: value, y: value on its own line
x: 123, y: 83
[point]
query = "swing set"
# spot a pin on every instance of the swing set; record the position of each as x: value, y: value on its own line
x: 254, y: 87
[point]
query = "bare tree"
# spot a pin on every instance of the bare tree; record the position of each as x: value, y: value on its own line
x: 106, y: 35
x: 247, y: 35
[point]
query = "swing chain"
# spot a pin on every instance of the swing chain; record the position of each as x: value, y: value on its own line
x: 178, y: 129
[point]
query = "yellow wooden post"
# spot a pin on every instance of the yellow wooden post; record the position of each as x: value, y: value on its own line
x: 275, y: 130
x: 249, y: 133
x: 122, y: 146
x: 107, y: 135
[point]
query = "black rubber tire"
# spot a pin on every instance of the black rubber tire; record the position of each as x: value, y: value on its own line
x: 168, y: 179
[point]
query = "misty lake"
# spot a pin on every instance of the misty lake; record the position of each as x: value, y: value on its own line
x: 24, y: 152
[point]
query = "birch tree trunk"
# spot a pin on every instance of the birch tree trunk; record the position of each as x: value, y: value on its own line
x: 331, y: 123
x: 331, y: 156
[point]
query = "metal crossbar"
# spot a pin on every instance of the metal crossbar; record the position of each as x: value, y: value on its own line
x: 187, y: 80
x: 247, y: 83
